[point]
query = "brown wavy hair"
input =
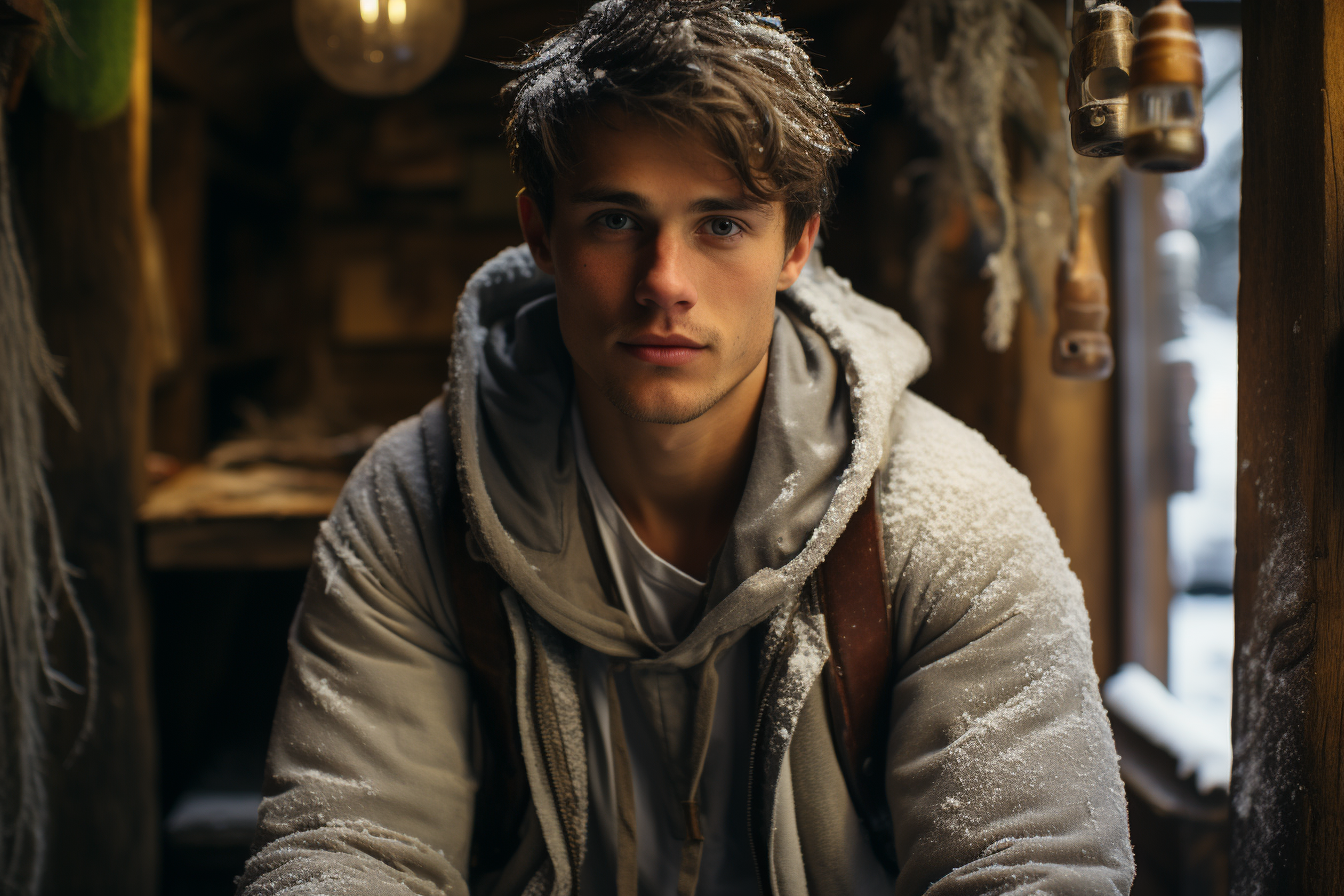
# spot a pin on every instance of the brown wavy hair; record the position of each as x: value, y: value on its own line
x: 712, y: 66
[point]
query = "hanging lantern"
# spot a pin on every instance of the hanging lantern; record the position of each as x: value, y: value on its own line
x: 1099, y: 67
x: 377, y: 47
x: 1082, y: 347
x: 1166, y: 93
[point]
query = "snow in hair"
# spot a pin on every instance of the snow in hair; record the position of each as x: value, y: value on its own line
x: 716, y: 64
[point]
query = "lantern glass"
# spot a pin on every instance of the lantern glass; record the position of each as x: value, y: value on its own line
x: 1163, y: 106
x: 377, y: 47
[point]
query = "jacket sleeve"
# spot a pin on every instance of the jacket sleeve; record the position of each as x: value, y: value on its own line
x: 1002, y: 774
x: 369, y: 783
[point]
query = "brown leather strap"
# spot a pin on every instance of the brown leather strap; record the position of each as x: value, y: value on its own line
x: 852, y: 585
x: 483, y: 629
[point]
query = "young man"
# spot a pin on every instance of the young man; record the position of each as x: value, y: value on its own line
x: 567, y: 631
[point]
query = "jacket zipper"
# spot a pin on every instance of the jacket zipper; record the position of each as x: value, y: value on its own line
x: 549, y: 763
x: 785, y: 648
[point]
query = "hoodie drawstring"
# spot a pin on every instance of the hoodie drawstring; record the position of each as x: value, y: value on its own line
x: 705, y: 699
x: 627, y: 843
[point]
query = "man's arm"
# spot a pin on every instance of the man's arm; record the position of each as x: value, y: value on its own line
x: 1001, y: 767
x: 369, y: 782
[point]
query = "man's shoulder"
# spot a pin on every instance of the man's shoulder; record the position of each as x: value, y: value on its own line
x: 925, y: 439
x: 382, y: 545
x: 945, y: 484
x: 967, y: 545
x: 403, y: 477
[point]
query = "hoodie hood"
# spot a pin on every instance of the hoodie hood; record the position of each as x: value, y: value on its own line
x: 838, y: 365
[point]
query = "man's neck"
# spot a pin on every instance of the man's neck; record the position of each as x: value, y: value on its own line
x: 678, y: 484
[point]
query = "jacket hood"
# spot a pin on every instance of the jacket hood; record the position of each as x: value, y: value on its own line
x: 838, y: 365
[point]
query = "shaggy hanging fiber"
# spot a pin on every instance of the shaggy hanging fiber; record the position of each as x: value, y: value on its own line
x: 34, y: 579
x: 964, y: 69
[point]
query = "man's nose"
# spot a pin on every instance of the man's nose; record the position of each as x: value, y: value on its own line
x: 667, y: 282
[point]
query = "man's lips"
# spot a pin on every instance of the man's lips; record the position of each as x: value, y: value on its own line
x: 664, y: 351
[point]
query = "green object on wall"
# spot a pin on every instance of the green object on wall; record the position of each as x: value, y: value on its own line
x: 84, y: 67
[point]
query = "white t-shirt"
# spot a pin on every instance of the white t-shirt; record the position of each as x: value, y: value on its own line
x: 661, y: 599
x: 664, y: 602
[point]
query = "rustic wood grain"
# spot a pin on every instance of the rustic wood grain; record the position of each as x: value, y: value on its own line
x: 83, y: 211
x: 231, y: 543
x: 1324, y: 835
x: 265, y: 516
x: 103, y: 805
x: 259, y: 490
x: 1287, y: 787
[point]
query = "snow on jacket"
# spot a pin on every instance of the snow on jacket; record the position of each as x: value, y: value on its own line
x: 1001, y: 773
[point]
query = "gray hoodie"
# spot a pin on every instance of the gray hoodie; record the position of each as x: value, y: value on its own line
x: 1001, y: 773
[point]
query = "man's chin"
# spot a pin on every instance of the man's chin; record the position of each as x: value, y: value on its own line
x: 661, y: 407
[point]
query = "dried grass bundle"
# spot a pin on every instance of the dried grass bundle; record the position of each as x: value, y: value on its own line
x: 967, y: 71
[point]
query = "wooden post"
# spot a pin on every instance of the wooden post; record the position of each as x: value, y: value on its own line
x: 1145, y: 584
x: 84, y: 199
x: 1288, y: 774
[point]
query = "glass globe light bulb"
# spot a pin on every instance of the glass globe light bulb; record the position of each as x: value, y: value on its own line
x: 377, y: 47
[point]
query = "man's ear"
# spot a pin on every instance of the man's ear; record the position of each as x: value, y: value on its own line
x: 797, y: 257
x: 534, y: 231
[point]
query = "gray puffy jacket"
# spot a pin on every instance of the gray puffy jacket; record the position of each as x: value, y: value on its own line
x: 1001, y: 772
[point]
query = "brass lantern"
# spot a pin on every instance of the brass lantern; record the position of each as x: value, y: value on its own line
x: 1166, y: 93
x: 1099, y: 74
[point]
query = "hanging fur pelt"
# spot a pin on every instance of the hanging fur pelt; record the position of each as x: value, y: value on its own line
x: 965, y: 69
x: 35, y: 583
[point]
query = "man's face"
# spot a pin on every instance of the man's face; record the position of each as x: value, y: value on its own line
x: 665, y: 269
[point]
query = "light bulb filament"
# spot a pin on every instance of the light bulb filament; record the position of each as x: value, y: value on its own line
x: 368, y: 11
x: 396, y: 11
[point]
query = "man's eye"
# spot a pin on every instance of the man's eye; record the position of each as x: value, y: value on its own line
x: 724, y: 227
x: 617, y: 221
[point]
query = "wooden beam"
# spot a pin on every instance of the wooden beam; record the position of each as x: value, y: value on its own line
x: 1145, y: 586
x: 84, y: 202
x: 1288, y: 774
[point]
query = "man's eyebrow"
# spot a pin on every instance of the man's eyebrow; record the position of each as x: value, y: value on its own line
x: 611, y: 196
x: 733, y: 204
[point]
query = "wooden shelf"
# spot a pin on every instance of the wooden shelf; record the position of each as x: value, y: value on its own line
x: 264, y: 516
